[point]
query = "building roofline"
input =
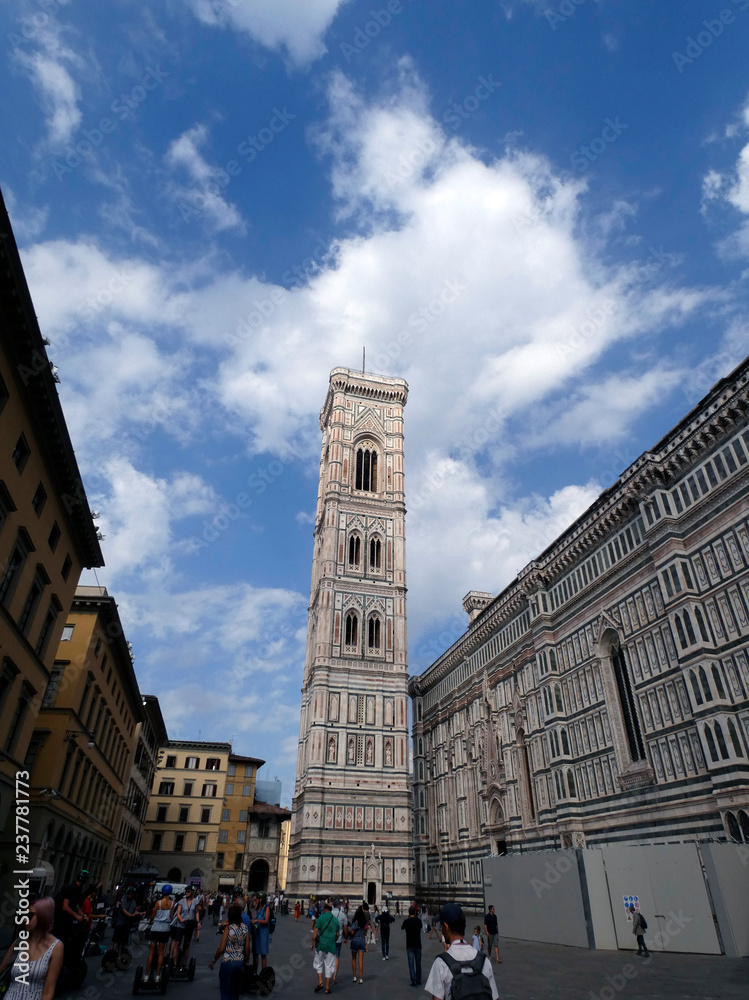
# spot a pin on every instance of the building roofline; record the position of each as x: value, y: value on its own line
x: 153, y: 712
x: 22, y: 340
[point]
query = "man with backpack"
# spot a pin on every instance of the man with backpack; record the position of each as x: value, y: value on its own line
x: 461, y: 972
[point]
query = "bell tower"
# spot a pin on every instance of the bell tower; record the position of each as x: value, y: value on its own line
x: 351, y: 823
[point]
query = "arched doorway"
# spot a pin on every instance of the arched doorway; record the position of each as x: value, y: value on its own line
x: 259, y: 872
x: 174, y: 875
x: 497, y: 827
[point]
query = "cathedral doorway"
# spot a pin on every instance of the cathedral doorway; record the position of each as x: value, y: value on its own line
x: 371, y: 893
x: 174, y: 875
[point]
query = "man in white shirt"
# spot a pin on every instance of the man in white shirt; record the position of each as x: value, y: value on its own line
x: 439, y: 983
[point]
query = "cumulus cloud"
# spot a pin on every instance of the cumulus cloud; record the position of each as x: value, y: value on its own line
x: 297, y: 29
x: 471, y: 276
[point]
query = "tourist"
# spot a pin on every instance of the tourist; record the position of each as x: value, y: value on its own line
x: 491, y: 929
x: 324, y: 936
x: 161, y: 917
x: 188, y: 908
x: 385, y: 921
x: 358, y: 940
x: 234, y: 951
x: 424, y: 919
x: 297, y: 909
x: 337, y: 911
x: 126, y: 912
x: 412, y: 926
x: 639, y: 926
x: 261, y: 929
x: 37, y: 979
x: 459, y: 953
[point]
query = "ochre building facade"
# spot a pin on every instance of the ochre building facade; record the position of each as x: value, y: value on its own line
x: 603, y: 696
x: 351, y: 822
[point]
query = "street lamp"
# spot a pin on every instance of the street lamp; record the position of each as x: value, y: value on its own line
x: 71, y: 734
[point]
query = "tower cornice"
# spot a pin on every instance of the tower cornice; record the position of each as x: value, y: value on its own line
x: 382, y: 388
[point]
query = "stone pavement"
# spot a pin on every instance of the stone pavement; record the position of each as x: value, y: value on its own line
x: 528, y: 972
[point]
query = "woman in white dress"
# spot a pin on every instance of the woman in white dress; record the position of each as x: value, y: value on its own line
x: 37, y: 978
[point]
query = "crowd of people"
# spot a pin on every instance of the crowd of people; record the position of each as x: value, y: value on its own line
x: 332, y: 928
x: 57, y: 930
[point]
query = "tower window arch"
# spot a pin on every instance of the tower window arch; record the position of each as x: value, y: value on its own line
x: 421, y: 798
x: 354, y: 551
x: 718, y: 682
x: 366, y: 469
x: 738, y: 749
x: 352, y: 629
x: 571, y: 784
x: 558, y: 698
x: 701, y: 623
x: 711, y: 745
x: 688, y: 627
x: 375, y: 554
x: 565, y: 742
x: 721, y: 741
x: 374, y: 634
x: 695, y: 687
x: 705, y: 685
x: 680, y: 632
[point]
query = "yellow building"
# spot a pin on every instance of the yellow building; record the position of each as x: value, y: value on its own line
x: 86, y: 811
x: 47, y: 534
x: 232, y: 857
x: 184, y: 813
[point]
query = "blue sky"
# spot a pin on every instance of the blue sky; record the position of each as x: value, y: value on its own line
x: 537, y: 214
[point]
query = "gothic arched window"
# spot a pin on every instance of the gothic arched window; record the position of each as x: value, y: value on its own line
x: 738, y: 749
x: 352, y: 629
x: 571, y: 784
x: 721, y: 741
x: 627, y: 702
x: 374, y: 634
x: 366, y: 469
x: 354, y: 551
x: 705, y: 685
x: 375, y: 554
x: 565, y: 742
x: 701, y: 623
x: 695, y: 687
x: 688, y: 626
x: 718, y: 682
x: 711, y: 745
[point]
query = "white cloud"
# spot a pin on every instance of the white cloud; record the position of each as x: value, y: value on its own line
x: 27, y: 220
x: 204, y: 196
x: 139, y: 514
x: 295, y: 28
x: 49, y: 67
x: 732, y: 188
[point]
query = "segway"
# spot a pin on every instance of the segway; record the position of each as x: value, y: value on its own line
x: 74, y: 969
x: 261, y: 983
x: 141, y: 984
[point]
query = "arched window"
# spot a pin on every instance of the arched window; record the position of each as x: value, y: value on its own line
x: 721, y: 741
x: 421, y: 745
x: 718, y: 682
x: 421, y: 771
x: 421, y: 798
x: 422, y: 825
x: 366, y: 470
x: 744, y: 824
x: 696, y: 688
x: 556, y: 780
x: 552, y: 659
x: 373, y: 634
x: 705, y: 685
x: 627, y: 701
x: 558, y: 698
x: 733, y: 828
x: 571, y: 784
x: 680, y: 631
x: 701, y: 624
x: 352, y: 629
x: 688, y: 627
x: 711, y: 745
x: 375, y: 554
x: 354, y: 551
x: 738, y: 749
x: 565, y: 742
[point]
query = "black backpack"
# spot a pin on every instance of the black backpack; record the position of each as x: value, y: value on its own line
x: 643, y: 923
x: 468, y: 978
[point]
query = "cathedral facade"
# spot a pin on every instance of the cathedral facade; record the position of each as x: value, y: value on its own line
x: 603, y: 696
x: 351, y: 829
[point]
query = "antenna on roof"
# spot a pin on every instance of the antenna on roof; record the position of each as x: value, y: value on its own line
x: 363, y: 358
